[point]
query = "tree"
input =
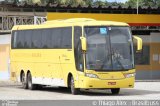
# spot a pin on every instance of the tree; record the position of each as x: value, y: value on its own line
x: 151, y: 3
x: 158, y: 3
x: 132, y: 3
x: 88, y: 2
x: 116, y: 4
x: 99, y: 2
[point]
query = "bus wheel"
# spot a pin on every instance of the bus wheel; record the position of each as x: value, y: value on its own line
x: 24, y: 81
x: 115, y: 91
x: 74, y: 90
x: 30, y: 85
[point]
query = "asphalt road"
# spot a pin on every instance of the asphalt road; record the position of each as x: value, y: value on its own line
x: 141, y: 91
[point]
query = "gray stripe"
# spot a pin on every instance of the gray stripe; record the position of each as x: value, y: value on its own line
x: 82, y: 103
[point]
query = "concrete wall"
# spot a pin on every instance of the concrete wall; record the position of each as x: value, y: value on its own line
x: 4, y: 56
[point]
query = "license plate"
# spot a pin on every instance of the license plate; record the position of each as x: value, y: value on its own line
x: 111, y: 83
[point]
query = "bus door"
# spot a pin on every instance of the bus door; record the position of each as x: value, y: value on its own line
x: 66, y: 52
x: 66, y: 59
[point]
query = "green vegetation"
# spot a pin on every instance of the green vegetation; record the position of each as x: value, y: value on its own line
x: 151, y: 3
x: 131, y: 3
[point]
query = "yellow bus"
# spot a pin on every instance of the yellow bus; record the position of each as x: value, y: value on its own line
x: 78, y: 53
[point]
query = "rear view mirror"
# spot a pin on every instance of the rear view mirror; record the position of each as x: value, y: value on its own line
x: 84, y: 44
x: 139, y: 43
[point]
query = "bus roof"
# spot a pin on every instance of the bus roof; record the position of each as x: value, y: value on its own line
x: 70, y: 22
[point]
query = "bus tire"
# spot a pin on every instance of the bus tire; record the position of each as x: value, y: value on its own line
x: 74, y: 90
x: 115, y: 91
x: 24, y: 81
x: 30, y: 85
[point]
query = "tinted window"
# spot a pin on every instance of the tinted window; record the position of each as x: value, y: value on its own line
x: 56, y: 37
x: 20, y: 39
x: 77, y: 34
x: 28, y: 37
x: 36, y: 38
x: 14, y: 37
x: 66, y: 34
x: 43, y: 38
x: 77, y: 49
x: 46, y: 38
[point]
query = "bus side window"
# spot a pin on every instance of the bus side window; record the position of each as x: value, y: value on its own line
x: 27, y: 40
x: 20, y: 39
x: 46, y: 38
x: 56, y: 38
x: 36, y: 38
x: 77, y: 49
x: 66, y: 37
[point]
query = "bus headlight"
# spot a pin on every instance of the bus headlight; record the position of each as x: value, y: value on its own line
x: 128, y: 75
x: 91, y: 75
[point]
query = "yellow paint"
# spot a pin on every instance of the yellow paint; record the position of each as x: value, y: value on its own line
x: 128, y: 18
x: 58, y: 63
x: 139, y: 42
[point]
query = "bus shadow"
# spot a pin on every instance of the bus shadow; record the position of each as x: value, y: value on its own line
x: 123, y: 92
x: 136, y: 92
x: 55, y: 89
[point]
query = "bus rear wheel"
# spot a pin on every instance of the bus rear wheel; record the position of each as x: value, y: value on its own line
x: 30, y: 85
x: 74, y: 90
x: 24, y: 81
x: 115, y: 91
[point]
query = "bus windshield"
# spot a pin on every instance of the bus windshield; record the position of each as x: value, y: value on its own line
x: 109, y: 48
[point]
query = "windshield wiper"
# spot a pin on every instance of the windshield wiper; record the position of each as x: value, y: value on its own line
x: 120, y: 63
x: 106, y: 59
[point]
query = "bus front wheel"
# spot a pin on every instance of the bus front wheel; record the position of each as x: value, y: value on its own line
x: 74, y: 90
x: 115, y: 91
x: 30, y: 85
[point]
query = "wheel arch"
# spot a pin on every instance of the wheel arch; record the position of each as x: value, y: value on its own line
x: 28, y: 71
x: 22, y: 71
x: 69, y: 79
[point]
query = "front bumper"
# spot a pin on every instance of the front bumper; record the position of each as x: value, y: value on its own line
x: 88, y: 83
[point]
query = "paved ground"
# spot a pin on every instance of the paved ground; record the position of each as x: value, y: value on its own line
x: 142, y: 90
